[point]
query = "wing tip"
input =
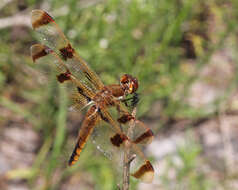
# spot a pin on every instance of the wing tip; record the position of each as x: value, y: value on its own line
x: 36, y: 11
x: 34, y: 49
x: 145, y: 173
x: 145, y: 138
x: 38, y: 51
x: 35, y: 15
x: 40, y: 17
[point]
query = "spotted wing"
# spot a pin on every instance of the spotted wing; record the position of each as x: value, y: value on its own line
x: 82, y: 94
x: 142, y: 168
x: 52, y: 36
x: 141, y: 133
x: 112, y: 141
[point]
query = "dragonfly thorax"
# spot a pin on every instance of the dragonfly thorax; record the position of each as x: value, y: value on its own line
x: 104, y: 97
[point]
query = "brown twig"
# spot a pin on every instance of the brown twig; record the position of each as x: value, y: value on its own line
x: 127, y: 157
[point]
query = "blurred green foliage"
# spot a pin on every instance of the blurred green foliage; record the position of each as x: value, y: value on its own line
x: 187, y: 168
x: 154, y: 40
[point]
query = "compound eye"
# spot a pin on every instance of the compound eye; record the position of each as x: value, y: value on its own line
x: 124, y: 79
x: 129, y: 83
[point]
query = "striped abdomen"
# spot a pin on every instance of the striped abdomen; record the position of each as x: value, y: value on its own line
x: 85, y: 131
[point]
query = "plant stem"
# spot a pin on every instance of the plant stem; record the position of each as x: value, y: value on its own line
x: 127, y: 156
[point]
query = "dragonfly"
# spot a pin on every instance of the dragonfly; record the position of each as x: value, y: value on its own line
x: 91, y: 93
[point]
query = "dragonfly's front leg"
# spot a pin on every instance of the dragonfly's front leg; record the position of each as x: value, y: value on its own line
x: 132, y: 101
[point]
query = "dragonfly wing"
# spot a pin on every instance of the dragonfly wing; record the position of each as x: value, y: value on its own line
x: 43, y: 54
x: 142, y: 168
x: 141, y: 133
x: 52, y: 36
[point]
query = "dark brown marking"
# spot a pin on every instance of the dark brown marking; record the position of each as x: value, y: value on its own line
x: 118, y: 139
x: 102, y: 116
x: 80, y: 90
x: 145, y: 136
x: 43, y: 20
x: 64, y: 76
x: 87, y: 76
x: 40, y: 54
x: 125, y: 118
x: 147, y: 167
x: 67, y: 52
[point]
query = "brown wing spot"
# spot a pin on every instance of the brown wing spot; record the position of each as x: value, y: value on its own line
x: 41, y: 18
x: 38, y: 51
x: 118, y: 139
x: 146, y: 137
x: 67, y: 52
x: 125, y: 118
x: 64, y: 76
x: 145, y: 172
x: 39, y: 55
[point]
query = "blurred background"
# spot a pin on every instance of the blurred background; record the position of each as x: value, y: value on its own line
x: 184, y: 53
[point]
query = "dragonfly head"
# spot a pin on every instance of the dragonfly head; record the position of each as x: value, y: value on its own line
x: 129, y: 84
